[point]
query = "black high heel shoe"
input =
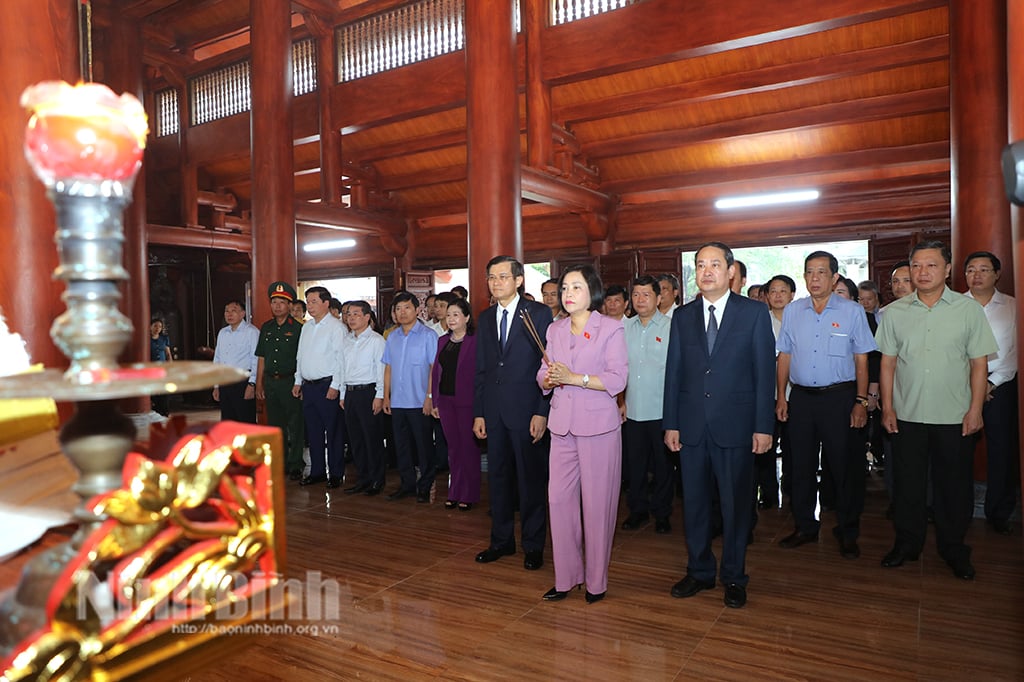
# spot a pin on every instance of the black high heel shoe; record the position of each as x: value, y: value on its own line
x: 450, y: 504
x: 594, y: 598
x: 555, y: 595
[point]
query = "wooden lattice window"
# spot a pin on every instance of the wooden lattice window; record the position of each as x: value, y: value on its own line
x: 228, y: 90
x: 402, y: 36
x: 166, y: 102
x: 564, y: 11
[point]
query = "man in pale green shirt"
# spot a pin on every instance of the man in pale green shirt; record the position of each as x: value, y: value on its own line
x: 934, y: 345
x: 647, y: 348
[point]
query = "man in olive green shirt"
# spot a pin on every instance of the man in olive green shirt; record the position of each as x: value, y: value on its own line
x: 276, y: 351
x: 934, y: 345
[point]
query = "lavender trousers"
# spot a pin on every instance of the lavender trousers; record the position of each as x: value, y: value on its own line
x: 587, y: 468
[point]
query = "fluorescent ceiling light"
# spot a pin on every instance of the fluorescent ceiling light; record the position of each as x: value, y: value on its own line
x: 329, y: 246
x: 767, y: 199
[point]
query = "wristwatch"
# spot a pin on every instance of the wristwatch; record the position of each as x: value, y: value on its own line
x: 586, y: 380
x: 863, y: 401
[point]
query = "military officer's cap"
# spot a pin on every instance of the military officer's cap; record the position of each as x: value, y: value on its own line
x: 281, y: 290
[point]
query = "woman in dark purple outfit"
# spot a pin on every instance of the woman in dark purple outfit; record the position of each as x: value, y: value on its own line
x: 451, y: 390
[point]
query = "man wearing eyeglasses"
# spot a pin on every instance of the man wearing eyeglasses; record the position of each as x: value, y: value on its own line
x: 1002, y: 432
x: 512, y: 414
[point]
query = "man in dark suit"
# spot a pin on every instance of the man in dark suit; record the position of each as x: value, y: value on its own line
x: 718, y: 412
x: 512, y: 414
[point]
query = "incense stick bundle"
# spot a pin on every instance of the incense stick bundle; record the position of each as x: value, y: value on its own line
x: 532, y: 328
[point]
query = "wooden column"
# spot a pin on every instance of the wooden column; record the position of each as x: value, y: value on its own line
x: 273, y: 182
x: 40, y: 43
x: 494, y: 214
x: 330, y: 136
x: 123, y: 73
x: 1015, y: 102
x: 538, y: 93
x: 980, y: 214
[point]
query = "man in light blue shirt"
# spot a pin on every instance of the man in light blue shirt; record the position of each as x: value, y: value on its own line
x: 236, y: 346
x: 409, y: 352
x: 647, y: 345
x: 823, y: 346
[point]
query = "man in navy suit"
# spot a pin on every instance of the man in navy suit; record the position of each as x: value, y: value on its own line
x: 718, y: 412
x: 512, y: 414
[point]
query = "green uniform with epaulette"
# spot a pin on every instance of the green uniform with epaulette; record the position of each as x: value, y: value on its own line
x: 278, y: 346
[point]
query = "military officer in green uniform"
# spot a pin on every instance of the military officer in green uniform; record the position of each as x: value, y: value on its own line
x: 275, y: 374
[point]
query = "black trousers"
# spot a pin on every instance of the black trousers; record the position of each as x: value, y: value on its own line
x: 645, y: 449
x: 951, y: 456
x: 517, y: 470
x: 1002, y: 440
x: 234, y: 406
x: 820, y: 421
x: 365, y: 435
x: 414, y: 447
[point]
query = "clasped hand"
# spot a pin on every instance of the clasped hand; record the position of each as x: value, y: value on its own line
x: 558, y: 374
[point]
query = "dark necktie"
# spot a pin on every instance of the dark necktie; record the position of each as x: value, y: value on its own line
x: 712, y: 329
x: 503, y: 329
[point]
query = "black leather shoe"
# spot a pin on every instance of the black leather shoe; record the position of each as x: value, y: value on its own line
x: 493, y: 554
x: 357, y: 488
x: 848, y: 548
x: 735, y: 596
x: 399, y: 494
x: 423, y: 497
x: 689, y: 586
x: 594, y: 598
x: 796, y: 538
x: 374, y: 490
x: 1002, y: 527
x: 311, y: 480
x: 295, y: 475
x: 533, y: 560
x: 962, y: 569
x: 333, y: 483
x: 897, y: 556
x: 662, y: 525
x: 554, y: 595
x: 634, y: 521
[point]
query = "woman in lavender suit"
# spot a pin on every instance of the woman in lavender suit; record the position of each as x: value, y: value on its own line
x: 451, y: 392
x: 588, y: 368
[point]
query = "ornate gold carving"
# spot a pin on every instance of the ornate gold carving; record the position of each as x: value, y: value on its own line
x: 183, y: 539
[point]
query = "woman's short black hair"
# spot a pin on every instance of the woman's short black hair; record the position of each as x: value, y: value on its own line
x: 593, y: 281
x: 467, y: 310
x: 851, y: 287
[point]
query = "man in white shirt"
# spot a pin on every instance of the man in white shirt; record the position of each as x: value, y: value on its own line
x: 318, y: 382
x: 1002, y: 430
x: 669, y: 288
x: 362, y: 398
x: 236, y: 346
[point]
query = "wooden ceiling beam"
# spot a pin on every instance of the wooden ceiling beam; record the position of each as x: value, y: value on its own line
x: 137, y: 9
x: 215, y: 31
x: 798, y: 167
x: 427, y: 143
x: 802, y: 119
x: 171, y: 235
x: 659, y: 31
x: 425, y: 178
x: 546, y: 189
x: 324, y: 10
x: 892, y: 205
x: 163, y: 57
x: 348, y: 219
x: 529, y: 210
x: 766, y: 79
x: 928, y: 171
